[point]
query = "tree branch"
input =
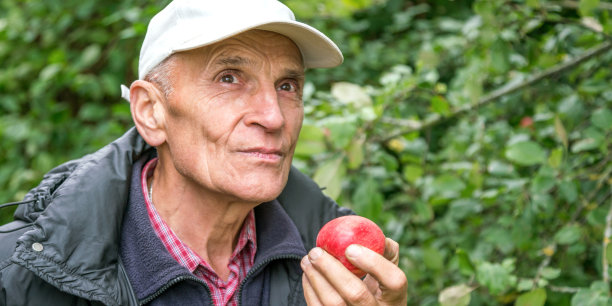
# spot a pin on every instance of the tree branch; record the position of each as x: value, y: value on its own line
x: 509, y: 88
x: 606, y: 241
x: 576, y: 4
x: 563, y: 289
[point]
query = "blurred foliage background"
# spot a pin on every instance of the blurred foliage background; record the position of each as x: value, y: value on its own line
x: 476, y: 133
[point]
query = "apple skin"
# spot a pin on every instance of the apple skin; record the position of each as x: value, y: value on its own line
x: 526, y: 122
x: 336, y: 235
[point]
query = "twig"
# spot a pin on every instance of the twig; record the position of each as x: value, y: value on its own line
x: 576, y: 4
x: 563, y: 289
x: 606, y: 241
x: 509, y: 88
x: 604, y: 177
x: 544, y: 263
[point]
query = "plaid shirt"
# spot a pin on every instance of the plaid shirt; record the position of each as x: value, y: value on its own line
x: 222, y: 292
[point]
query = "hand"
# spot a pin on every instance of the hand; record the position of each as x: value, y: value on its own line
x: 327, y: 282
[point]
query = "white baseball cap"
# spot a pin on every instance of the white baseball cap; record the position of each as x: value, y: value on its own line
x: 189, y: 24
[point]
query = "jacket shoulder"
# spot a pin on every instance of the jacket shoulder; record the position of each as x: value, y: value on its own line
x: 9, y: 233
x: 19, y: 286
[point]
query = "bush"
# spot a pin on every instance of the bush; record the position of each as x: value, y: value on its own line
x: 476, y: 133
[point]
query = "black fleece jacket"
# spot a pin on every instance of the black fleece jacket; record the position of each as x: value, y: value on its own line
x: 65, y: 245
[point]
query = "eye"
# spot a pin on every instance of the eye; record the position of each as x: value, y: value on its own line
x: 228, y: 78
x: 288, y: 86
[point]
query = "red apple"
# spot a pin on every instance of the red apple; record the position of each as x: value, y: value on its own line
x: 526, y: 122
x: 335, y: 236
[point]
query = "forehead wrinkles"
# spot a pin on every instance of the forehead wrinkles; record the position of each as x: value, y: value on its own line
x: 251, y: 49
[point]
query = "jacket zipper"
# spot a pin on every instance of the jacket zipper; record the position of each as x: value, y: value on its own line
x: 193, y: 278
x: 172, y: 283
x: 261, y: 265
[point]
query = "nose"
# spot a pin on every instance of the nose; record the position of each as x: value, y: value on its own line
x: 266, y: 110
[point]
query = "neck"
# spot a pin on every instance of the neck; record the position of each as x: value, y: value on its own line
x: 206, y: 222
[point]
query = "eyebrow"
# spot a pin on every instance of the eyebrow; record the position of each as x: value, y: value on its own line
x: 294, y: 74
x: 233, y: 61
x: 238, y: 61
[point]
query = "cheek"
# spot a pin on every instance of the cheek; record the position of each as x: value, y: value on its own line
x: 294, y: 121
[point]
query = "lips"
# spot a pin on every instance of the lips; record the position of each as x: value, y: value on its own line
x: 271, y: 154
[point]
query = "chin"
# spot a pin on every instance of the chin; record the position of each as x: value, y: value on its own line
x: 262, y: 189
x: 258, y: 195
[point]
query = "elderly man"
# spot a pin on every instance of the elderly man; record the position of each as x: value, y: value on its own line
x: 199, y: 203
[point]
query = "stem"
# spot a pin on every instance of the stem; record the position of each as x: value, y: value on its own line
x: 509, y: 88
x: 576, y: 4
x: 563, y: 289
x: 606, y: 241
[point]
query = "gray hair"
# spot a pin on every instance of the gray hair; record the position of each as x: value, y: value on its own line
x: 161, y: 74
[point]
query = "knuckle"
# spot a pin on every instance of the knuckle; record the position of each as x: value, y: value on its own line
x: 397, y: 281
x: 394, y: 245
x: 336, y: 302
x: 359, y: 296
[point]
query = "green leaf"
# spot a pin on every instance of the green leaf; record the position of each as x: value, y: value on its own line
x: 355, y: 153
x: 585, y: 144
x: 499, y: 56
x: 609, y: 253
x: 526, y: 153
x: 341, y: 131
x: 462, y: 208
x: 440, y: 105
x: 458, y: 295
x: 556, y: 158
x: 568, y: 191
x: 498, y: 278
x: 568, y: 234
x: 533, y: 3
x: 93, y: 112
x: 465, y: 263
x: 412, y: 173
x: 349, y: 93
x: 311, y: 141
x: 367, y: 199
x: 602, y: 118
x: 432, y: 258
x: 586, y: 7
x: 525, y: 284
x: 499, y: 168
x: 560, y: 130
x: 542, y: 183
x: 90, y: 55
x: 550, y: 273
x: 499, y: 237
x: 330, y: 175
x: 596, y: 295
x: 423, y: 212
x: 447, y: 186
x: 49, y: 72
x: 536, y: 297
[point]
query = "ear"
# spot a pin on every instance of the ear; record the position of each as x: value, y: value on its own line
x: 146, y: 104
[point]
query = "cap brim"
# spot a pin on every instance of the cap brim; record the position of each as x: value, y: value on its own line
x: 318, y: 51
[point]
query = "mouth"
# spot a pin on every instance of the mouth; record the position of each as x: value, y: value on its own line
x: 266, y: 154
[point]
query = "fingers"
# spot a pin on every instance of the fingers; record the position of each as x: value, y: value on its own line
x: 309, y: 293
x: 391, y: 279
x: 391, y: 251
x: 331, y: 282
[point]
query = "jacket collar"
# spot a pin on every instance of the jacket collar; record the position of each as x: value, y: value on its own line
x: 149, y: 265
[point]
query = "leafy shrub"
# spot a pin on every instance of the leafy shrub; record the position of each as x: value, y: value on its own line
x: 477, y: 133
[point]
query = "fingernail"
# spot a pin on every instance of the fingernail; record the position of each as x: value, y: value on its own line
x: 353, y: 251
x: 315, y: 253
x: 305, y: 261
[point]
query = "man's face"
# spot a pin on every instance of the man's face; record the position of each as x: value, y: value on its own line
x: 234, y: 116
